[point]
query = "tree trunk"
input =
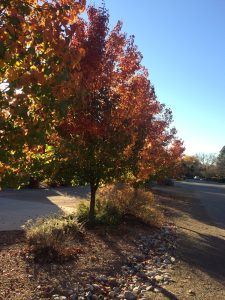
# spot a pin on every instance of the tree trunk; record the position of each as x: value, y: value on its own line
x: 91, y: 218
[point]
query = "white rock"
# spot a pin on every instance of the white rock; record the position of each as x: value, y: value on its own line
x: 191, y: 292
x: 70, y: 292
x: 158, y: 278
x: 157, y: 290
x: 167, y: 261
x: 172, y: 259
x: 136, y: 290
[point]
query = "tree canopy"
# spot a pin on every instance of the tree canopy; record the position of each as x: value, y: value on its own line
x: 35, y: 60
x: 76, y: 101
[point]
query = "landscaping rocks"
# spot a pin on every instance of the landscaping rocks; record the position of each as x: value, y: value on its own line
x: 144, y: 273
x: 130, y: 296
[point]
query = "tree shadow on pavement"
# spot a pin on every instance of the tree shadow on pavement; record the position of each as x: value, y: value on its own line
x: 178, y: 203
x: 205, y: 252
x: 16, y: 207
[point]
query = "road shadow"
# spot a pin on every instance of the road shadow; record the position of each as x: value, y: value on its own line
x: 205, y: 252
x: 201, y: 243
x: 16, y: 207
x: 179, y: 202
x: 43, y: 194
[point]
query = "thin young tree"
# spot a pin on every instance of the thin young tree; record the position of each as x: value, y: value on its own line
x: 114, y: 128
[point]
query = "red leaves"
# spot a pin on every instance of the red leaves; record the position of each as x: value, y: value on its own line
x: 83, y: 90
x: 82, y: 126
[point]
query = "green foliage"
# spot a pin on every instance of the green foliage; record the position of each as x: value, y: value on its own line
x: 82, y: 212
x: 106, y: 213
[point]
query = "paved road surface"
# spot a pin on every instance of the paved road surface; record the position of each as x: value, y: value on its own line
x: 212, y: 197
x: 16, y: 207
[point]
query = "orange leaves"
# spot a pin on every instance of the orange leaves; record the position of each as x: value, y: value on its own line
x: 40, y: 69
x: 115, y: 126
x: 81, y: 89
x: 71, y: 9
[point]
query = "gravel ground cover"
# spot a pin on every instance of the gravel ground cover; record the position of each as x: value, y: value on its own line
x: 132, y: 261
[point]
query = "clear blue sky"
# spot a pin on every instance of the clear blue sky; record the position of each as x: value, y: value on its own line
x: 183, y: 44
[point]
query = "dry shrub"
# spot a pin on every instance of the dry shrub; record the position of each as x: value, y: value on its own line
x: 47, y: 237
x: 127, y: 200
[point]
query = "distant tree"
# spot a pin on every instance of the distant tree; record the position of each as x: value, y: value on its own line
x: 220, y: 163
x: 190, y: 166
x: 208, y: 164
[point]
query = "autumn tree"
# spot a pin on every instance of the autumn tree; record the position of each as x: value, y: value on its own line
x: 36, y: 58
x: 76, y: 100
x: 114, y: 128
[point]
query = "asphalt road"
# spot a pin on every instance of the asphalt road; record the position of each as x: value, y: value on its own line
x: 16, y: 207
x: 211, y: 196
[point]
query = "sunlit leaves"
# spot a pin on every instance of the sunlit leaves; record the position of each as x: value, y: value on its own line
x: 34, y: 65
x: 115, y: 126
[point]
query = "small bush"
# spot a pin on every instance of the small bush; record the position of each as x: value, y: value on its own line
x: 106, y: 213
x: 48, y: 236
x: 138, y: 203
x: 116, y: 202
x: 83, y: 211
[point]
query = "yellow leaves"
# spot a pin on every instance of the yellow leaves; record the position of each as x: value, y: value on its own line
x: 40, y: 48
